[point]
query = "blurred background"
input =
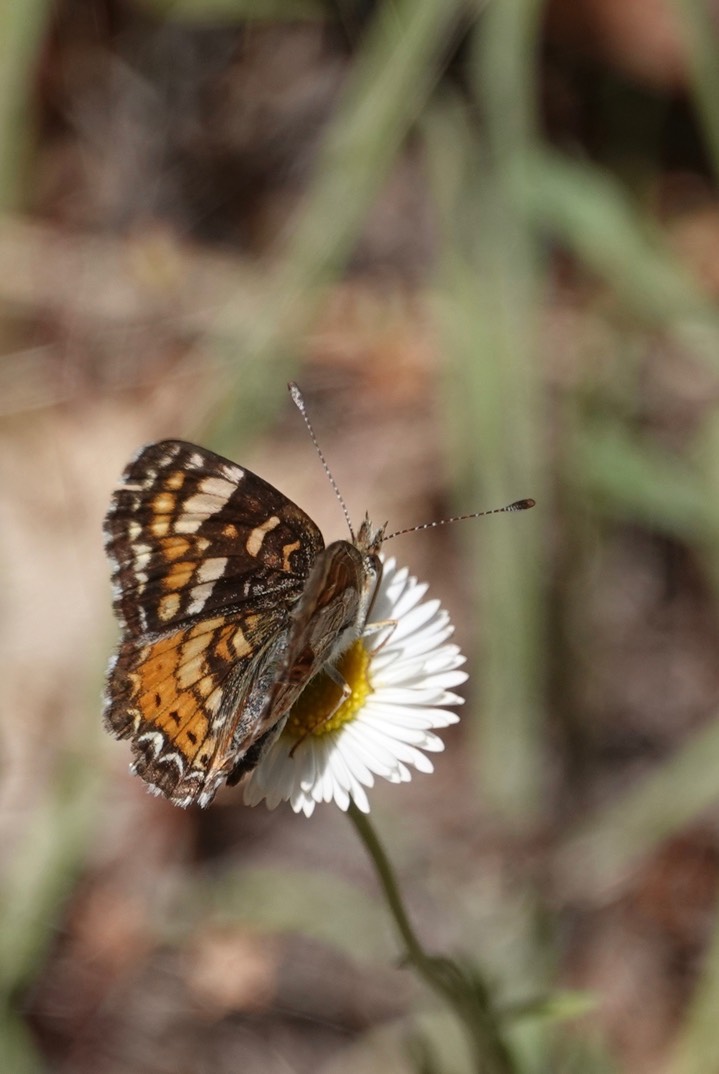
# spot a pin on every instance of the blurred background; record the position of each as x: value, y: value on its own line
x: 484, y: 238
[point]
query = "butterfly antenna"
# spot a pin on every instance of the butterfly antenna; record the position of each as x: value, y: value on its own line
x: 518, y: 505
x: 299, y: 402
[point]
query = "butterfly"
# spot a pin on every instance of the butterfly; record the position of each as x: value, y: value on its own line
x: 229, y: 603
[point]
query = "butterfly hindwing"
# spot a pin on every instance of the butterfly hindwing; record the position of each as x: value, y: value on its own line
x: 189, y: 700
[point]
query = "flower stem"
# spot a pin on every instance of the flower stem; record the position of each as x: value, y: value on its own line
x: 466, y: 993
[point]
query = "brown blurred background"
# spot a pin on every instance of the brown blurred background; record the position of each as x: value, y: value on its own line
x: 485, y: 241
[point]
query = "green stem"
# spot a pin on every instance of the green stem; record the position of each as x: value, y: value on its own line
x: 467, y: 995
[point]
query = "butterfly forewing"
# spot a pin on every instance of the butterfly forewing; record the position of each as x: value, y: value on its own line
x: 208, y: 561
x: 190, y: 533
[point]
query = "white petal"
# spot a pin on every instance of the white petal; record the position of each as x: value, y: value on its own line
x: 427, y: 696
x: 378, y: 757
x: 431, y: 638
x: 418, y: 670
x: 413, y: 621
x: 360, y: 799
x: 409, y: 598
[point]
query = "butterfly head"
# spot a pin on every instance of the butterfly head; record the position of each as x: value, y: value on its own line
x: 368, y: 543
x: 369, y: 540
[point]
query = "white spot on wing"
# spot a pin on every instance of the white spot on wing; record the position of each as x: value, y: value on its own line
x: 204, y: 504
x: 217, y: 486
x: 233, y: 473
x: 142, y: 556
x: 211, y: 569
x: 155, y: 740
x: 200, y: 595
x: 189, y: 524
x: 170, y: 455
x: 173, y: 758
x: 212, y: 495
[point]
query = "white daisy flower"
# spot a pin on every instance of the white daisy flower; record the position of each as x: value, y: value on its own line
x: 401, y: 679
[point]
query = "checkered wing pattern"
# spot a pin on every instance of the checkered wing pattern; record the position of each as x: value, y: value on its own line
x: 191, y: 534
x: 208, y: 562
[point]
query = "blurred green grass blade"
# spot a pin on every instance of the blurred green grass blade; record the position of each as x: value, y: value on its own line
x: 506, y: 79
x: 589, y: 1053
x: 697, y: 1048
x: 238, y: 10
x: 506, y: 420
x: 387, y: 88
x: 631, y: 478
x: 490, y: 407
x: 608, y: 846
x: 488, y: 316
x: 559, y: 1007
x: 21, y: 30
x: 700, y: 36
x: 17, y: 1049
x: 44, y: 869
x: 590, y: 214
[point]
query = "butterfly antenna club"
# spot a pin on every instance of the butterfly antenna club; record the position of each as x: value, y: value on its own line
x: 518, y: 505
x: 298, y: 400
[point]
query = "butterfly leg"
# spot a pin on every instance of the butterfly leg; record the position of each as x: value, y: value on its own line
x: 376, y: 628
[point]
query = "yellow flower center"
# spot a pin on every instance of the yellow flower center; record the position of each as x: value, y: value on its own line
x: 318, y: 711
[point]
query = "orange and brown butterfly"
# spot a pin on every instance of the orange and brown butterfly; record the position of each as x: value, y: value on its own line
x: 229, y: 603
